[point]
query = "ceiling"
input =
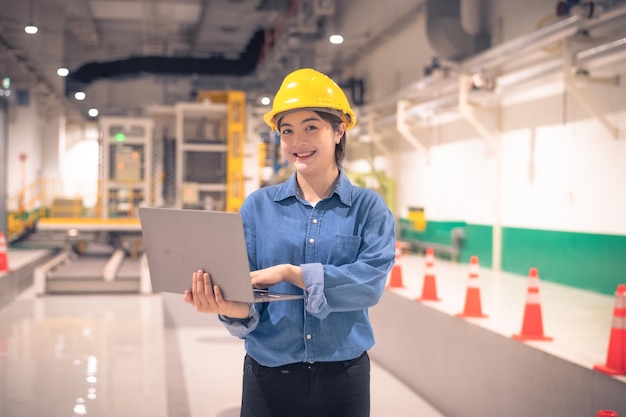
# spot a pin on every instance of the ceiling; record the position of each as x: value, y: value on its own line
x: 193, y: 45
x: 210, y: 41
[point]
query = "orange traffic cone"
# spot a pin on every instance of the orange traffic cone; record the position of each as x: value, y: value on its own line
x: 4, y: 258
x: 472, y: 296
x: 395, y: 280
x: 429, y: 287
x: 532, y: 324
x: 616, y: 356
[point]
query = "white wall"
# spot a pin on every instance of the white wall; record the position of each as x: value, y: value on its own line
x: 25, y: 136
x: 572, y: 178
x: 53, y: 141
x: 557, y: 177
x: 37, y: 130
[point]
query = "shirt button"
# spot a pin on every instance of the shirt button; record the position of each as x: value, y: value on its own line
x: 314, y: 221
x: 311, y: 240
x: 308, y: 336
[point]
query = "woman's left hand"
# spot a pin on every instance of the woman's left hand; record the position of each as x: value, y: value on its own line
x: 265, y: 278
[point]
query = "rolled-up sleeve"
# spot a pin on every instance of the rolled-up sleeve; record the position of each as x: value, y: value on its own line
x: 241, y: 327
x: 359, y: 284
x: 313, y: 276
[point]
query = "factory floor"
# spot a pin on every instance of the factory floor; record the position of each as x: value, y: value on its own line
x: 151, y: 354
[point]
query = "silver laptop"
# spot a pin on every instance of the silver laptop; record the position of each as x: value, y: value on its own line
x: 178, y: 242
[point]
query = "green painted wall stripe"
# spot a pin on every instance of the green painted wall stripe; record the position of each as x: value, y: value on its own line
x: 436, y: 232
x: 477, y: 243
x: 589, y: 261
x: 595, y: 262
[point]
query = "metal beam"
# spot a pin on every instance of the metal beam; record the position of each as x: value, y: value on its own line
x: 404, y: 129
x: 570, y: 86
x: 467, y: 111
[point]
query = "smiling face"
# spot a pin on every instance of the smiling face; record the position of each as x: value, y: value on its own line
x: 308, y: 142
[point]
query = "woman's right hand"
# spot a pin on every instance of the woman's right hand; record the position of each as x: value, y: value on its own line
x: 207, y: 298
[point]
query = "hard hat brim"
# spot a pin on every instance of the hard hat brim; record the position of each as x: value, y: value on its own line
x: 271, y: 118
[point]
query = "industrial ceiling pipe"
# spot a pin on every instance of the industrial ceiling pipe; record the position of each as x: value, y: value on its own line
x: 446, y: 34
x: 511, y: 50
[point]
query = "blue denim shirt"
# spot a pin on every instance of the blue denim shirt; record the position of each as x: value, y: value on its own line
x: 345, y: 246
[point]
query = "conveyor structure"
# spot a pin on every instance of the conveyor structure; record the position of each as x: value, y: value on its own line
x: 99, y: 256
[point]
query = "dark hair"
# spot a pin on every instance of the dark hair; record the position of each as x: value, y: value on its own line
x: 340, y: 148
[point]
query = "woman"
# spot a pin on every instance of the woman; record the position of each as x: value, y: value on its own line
x: 315, y: 234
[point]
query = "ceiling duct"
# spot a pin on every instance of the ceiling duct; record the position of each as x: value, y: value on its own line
x: 159, y: 65
x: 446, y: 34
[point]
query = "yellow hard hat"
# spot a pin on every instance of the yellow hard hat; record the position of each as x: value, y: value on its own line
x: 307, y: 88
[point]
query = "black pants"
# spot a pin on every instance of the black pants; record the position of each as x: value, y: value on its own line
x: 320, y: 389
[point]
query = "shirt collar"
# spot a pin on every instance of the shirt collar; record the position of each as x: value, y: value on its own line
x: 289, y: 188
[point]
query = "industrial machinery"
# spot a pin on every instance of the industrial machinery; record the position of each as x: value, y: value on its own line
x: 201, y: 167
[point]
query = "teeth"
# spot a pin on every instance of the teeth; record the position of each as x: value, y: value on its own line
x: 302, y: 155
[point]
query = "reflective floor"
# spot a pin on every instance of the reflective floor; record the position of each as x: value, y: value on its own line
x: 152, y: 355
x: 133, y: 355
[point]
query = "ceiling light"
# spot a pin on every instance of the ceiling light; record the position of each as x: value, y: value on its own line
x: 79, y: 95
x: 31, y: 28
x: 93, y: 112
x: 265, y: 100
x: 63, y: 72
x: 336, y: 39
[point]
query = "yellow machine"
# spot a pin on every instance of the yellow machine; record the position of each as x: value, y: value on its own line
x: 235, y: 138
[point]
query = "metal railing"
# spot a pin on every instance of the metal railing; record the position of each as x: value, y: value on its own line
x: 47, y: 198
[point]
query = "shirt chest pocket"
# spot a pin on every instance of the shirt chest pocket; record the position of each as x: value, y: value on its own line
x: 345, y: 249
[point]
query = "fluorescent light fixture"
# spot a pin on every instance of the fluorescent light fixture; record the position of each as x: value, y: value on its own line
x: 336, y: 39
x: 31, y: 29
x: 63, y: 72
x: 79, y: 95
